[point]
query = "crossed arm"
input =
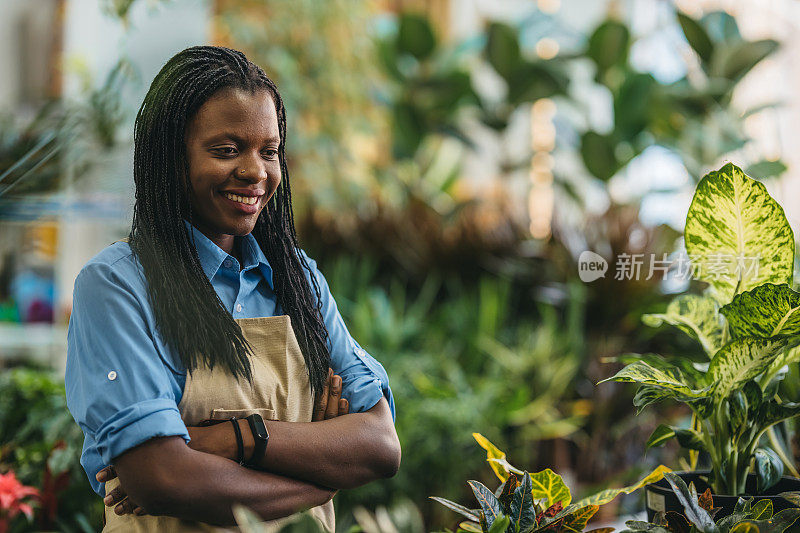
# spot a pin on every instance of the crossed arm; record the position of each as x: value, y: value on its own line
x: 304, y: 466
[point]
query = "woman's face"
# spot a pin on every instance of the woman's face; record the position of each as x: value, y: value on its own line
x: 232, y: 147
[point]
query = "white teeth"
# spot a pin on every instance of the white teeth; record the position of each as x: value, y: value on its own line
x: 249, y: 200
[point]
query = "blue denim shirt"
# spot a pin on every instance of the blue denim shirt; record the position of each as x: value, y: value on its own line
x: 124, y: 383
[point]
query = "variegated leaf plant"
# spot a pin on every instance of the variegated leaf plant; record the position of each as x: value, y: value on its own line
x: 747, y: 321
x: 529, y: 503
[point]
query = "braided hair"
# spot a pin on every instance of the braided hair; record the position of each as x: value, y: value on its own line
x: 189, y: 314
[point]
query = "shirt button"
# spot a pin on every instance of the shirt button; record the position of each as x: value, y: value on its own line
x: 238, y: 308
x: 227, y: 263
x: 112, y: 375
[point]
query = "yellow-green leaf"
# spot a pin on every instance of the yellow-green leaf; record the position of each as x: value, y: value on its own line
x: 741, y: 360
x: 547, y: 484
x: 737, y: 235
x: 769, y: 310
x: 697, y: 316
x: 607, y: 495
x: 472, y: 527
x: 577, y: 521
x: 496, y: 458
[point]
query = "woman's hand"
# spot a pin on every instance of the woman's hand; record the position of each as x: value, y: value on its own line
x: 118, y: 498
x: 330, y: 404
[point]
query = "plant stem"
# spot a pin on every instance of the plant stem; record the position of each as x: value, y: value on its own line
x: 778, y: 447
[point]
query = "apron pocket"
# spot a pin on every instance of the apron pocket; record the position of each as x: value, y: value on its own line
x: 225, y: 414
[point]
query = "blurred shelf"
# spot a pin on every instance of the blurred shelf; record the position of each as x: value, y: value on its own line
x: 43, y: 343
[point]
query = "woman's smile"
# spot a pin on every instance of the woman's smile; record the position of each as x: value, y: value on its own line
x: 234, y: 169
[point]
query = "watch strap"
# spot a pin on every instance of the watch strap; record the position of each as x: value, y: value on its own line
x: 260, y: 438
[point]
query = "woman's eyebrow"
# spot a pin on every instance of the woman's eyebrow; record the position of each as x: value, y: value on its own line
x: 228, y: 135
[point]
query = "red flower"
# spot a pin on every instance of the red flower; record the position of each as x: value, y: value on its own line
x: 12, y: 492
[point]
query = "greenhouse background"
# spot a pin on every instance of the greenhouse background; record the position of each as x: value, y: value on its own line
x: 451, y: 161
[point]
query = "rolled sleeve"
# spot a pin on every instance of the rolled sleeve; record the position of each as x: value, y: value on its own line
x: 119, y: 389
x: 364, y: 380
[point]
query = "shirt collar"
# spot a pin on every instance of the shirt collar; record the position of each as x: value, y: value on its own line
x: 212, y: 256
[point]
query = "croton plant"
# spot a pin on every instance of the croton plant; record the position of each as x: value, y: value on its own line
x: 532, y: 502
x: 747, y: 322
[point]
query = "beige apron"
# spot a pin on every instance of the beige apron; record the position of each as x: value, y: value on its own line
x: 280, y: 391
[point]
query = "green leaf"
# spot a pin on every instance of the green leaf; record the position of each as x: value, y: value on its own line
x: 689, y: 439
x: 691, y: 507
x: 663, y: 378
x: 777, y: 524
x: 660, y: 436
x: 605, y: 496
x: 502, y: 49
x: 721, y: 27
x: 547, y: 484
x: 506, y: 492
x: 415, y: 36
x: 677, y: 523
x: 697, y: 37
x: 733, y: 226
x: 649, y: 394
x: 741, y: 360
x: 792, y: 497
x: 762, y: 510
x: 638, y: 526
x: 500, y: 525
x: 766, y: 169
x: 608, y: 45
x: 734, y: 61
x: 472, y: 527
x: 522, y: 512
x: 769, y: 468
x: 633, y: 105
x: 697, y: 316
x: 460, y: 509
x: 768, y: 310
x: 598, y: 155
x: 487, y: 500
x: 576, y: 522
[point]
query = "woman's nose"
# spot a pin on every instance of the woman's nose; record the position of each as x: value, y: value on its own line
x: 252, y: 170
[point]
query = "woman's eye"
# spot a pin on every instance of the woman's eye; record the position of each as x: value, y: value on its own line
x: 271, y: 153
x: 225, y: 150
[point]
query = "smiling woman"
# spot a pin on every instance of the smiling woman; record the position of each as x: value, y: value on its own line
x: 212, y: 313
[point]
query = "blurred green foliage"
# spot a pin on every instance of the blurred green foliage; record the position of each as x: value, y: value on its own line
x: 42, y: 444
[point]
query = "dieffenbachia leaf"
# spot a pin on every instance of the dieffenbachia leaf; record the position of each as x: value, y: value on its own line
x: 741, y: 360
x: 697, y: 316
x: 522, y: 512
x: 660, y: 436
x: 664, y: 378
x: 687, y: 438
x: 737, y: 235
x: 691, y: 507
x: 496, y: 458
x: 460, y: 509
x: 769, y: 468
x: 769, y: 310
x: 605, y: 496
x: 487, y: 500
x: 771, y: 412
x: 648, y: 394
x: 549, y: 485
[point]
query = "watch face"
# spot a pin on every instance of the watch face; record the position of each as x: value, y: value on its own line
x: 259, y: 428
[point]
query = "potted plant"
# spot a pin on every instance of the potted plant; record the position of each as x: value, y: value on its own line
x: 529, y: 503
x: 747, y: 322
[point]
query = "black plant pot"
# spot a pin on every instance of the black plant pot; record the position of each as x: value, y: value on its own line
x: 659, y: 495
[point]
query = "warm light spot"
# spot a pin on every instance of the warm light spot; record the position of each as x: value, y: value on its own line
x: 549, y: 6
x: 544, y: 108
x: 547, y: 48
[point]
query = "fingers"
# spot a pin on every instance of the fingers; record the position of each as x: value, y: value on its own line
x: 322, y: 404
x: 344, y: 407
x: 106, y: 474
x: 335, y: 394
x: 114, y: 497
x: 126, y: 507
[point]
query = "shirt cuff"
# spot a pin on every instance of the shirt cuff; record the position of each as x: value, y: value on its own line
x: 137, y: 424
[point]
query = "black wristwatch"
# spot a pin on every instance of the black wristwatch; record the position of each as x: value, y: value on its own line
x: 260, y: 436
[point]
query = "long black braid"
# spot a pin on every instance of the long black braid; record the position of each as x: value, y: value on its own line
x: 190, y: 316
